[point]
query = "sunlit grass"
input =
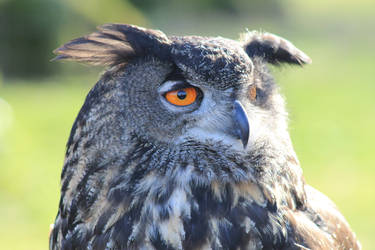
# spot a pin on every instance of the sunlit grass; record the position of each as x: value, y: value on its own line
x: 31, y: 157
x: 332, y: 113
x: 332, y: 119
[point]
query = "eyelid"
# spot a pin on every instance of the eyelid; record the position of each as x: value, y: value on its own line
x: 172, y: 86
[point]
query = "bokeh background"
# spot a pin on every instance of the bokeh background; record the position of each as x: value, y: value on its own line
x: 331, y: 102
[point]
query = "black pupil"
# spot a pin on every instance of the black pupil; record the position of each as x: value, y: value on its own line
x: 181, y: 94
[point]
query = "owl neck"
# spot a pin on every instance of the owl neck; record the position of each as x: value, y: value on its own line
x: 268, y: 174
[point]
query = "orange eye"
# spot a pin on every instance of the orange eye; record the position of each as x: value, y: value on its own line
x: 182, y: 97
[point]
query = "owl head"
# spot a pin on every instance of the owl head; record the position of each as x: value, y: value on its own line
x: 178, y: 91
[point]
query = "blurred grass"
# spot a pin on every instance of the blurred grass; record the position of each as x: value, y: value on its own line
x: 332, y: 120
x: 31, y: 157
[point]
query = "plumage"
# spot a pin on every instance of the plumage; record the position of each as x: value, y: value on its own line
x: 220, y: 173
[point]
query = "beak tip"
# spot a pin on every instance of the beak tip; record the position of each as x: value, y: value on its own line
x: 242, y: 123
x: 245, y: 141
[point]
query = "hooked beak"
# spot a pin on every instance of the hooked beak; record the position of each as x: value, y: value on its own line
x: 241, y: 123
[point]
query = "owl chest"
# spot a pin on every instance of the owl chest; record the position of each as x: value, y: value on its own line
x: 197, y: 219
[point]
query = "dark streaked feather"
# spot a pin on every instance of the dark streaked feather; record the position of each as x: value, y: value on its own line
x: 114, y: 44
x: 273, y: 49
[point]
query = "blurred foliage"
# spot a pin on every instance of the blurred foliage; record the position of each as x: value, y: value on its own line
x: 254, y: 7
x: 28, y: 30
x: 31, y: 29
x: 331, y: 101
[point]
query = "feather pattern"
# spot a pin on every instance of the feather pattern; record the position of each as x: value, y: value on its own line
x: 114, y: 44
x: 273, y: 49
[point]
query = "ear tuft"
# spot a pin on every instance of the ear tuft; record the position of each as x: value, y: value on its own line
x: 273, y: 49
x: 115, y: 44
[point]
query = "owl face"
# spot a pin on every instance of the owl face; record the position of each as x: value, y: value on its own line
x: 167, y: 107
x: 180, y: 89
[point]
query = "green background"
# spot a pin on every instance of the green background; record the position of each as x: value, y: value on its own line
x: 331, y: 102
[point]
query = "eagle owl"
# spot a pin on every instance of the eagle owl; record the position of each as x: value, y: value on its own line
x: 183, y: 144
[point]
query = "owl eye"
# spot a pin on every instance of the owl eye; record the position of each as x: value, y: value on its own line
x: 182, y: 97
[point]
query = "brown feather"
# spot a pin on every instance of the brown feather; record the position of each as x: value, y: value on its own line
x: 114, y: 44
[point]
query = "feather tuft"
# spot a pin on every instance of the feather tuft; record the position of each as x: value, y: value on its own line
x: 114, y: 44
x: 273, y: 49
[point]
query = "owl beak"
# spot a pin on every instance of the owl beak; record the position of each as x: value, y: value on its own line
x: 241, y: 123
